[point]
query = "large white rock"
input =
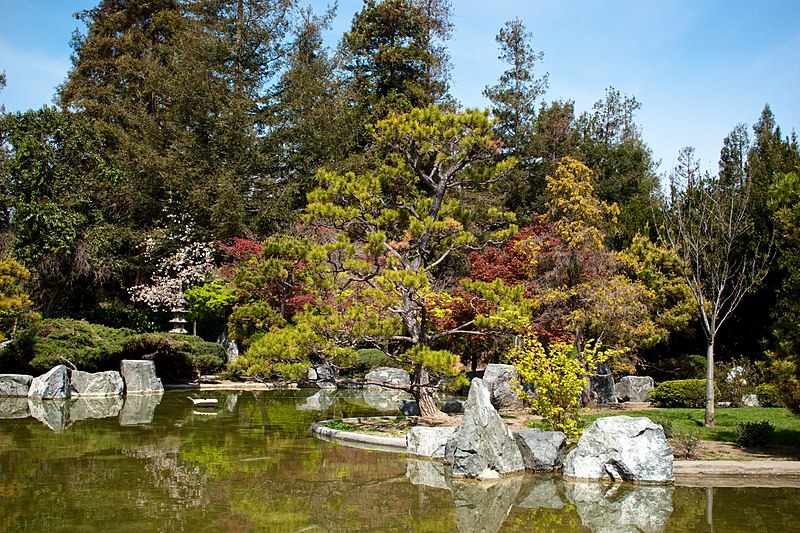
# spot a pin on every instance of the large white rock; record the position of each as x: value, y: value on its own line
x: 53, y: 385
x: 386, y: 375
x: 622, y: 448
x: 108, y: 383
x: 482, y: 443
x: 140, y: 377
x: 428, y: 441
x: 634, y: 388
x: 502, y: 382
x: 15, y: 385
x: 542, y: 451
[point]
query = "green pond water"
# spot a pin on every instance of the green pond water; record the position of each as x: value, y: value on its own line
x: 250, y: 464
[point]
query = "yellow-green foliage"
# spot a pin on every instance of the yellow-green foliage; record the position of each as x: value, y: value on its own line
x: 558, y: 377
x: 15, y: 305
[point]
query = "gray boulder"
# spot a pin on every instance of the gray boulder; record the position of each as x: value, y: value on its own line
x: 602, y: 385
x: 482, y: 446
x: 502, y: 382
x: 621, y: 507
x: 542, y: 451
x: 86, y: 407
x: 453, y: 407
x: 53, y: 385
x: 15, y: 385
x: 622, y: 448
x: 322, y: 376
x: 633, y: 388
x: 53, y: 413
x: 408, y: 407
x: 750, y: 400
x: 428, y: 441
x: 386, y: 375
x: 140, y: 377
x: 13, y: 407
x: 139, y: 409
x: 96, y: 384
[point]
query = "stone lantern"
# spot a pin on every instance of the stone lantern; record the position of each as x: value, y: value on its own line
x: 178, y: 316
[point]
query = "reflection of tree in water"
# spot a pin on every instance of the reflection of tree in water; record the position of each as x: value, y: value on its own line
x: 183, y: 481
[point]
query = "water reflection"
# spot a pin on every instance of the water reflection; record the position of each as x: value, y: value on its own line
x: 52, y: 413
x: 14, y: 408
x: 84, y: 408
x: 254, y: 467
x: 484, y: 506
x: 139, y: 409
x: 621, y: 507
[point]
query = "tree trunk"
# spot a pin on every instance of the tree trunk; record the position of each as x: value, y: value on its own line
x: 709, y: 417
x: 423, y: 393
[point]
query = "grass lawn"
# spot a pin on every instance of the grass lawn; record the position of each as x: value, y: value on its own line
x: 787, y: 425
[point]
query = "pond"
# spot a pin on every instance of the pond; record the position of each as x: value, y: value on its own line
x: 250, y: 464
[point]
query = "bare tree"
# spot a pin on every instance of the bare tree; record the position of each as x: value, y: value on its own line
x: 706, y: 224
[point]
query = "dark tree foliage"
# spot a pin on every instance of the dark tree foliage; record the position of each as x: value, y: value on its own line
x: 394, y: 55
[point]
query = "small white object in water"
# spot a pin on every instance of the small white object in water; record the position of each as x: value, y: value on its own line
x: 204, y: 402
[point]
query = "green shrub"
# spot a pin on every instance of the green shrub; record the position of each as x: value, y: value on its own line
x: 365, y: 360
x: 177, y: 357
x: 736, y: 379
x: 679, y: 393
x: 769, y: 395
x: 753, y: 434
x: 90, y: 347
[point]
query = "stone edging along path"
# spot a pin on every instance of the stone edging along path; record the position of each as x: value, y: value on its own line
x: 686, y: 472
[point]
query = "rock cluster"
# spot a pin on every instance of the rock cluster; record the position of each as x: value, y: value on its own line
x: 620, y: 448
x: 59, y: 383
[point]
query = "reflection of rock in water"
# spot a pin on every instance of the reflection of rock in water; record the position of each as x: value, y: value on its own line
x: 621, y: 508
x: 51, y: 413
x: 428, y: 473
x: 230, y: 402
x: 14, y: 408
x: 139, y: 409
x: 482, y: 506
x: 183, y: 481
x: 539, y: 492
x: 99, y: 407
x: 318, y: 401
x: 384, y: 399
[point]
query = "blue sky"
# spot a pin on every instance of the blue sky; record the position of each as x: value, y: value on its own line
x: 697, y: 67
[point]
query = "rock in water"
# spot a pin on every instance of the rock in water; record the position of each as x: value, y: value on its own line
x: 542, y: 451
x: 139, y: 409
x: 140, y: 377
x: 484, y: 506
x: 622, y: 448
x: 482, y: 441
x: 53, y: 385
x: 502, y: 380
x: 634, y: 388
x: 428, y: 441
x: 15, y: 385
x: 54, y: 414
x: 96, y: 384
